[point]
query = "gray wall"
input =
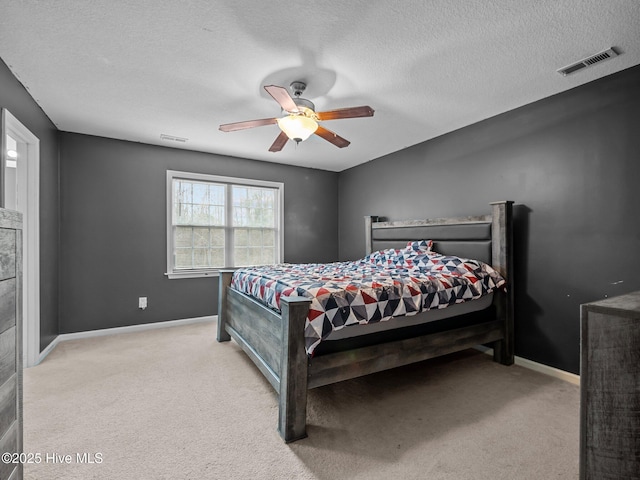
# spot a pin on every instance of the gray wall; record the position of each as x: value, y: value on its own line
x: 113, y: 229
x: 571, y: 164
x: 19, y: 102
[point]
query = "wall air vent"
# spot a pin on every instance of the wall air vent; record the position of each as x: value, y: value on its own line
x: 587, y: 62
x: 172, y: 138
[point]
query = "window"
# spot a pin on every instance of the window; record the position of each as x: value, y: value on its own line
x: 219, y: 222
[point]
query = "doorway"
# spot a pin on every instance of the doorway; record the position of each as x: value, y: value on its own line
x: 21, y: 192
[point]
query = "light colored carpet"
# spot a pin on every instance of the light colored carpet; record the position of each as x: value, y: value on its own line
x: 175, y: 404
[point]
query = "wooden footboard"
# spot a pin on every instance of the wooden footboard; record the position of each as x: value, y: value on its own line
x: 275, y: 342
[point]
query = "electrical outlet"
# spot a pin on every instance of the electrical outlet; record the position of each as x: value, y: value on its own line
x: 142, y: 303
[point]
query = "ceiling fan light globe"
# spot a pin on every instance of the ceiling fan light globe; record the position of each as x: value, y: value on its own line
x: 297, y: 127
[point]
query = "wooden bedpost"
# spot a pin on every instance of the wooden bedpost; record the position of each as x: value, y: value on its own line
x: 368, y: 237
x: 502, y: 261
x: 294, y: 369
x: 223, y: 282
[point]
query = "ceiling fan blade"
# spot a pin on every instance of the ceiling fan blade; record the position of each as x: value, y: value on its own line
x: 232, y: 127
x: 349, y: 112
x: 331, y: 137
x: 281, y: 95
x: 279, y: 143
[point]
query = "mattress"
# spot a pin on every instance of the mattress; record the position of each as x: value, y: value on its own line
x: 432, y: 315
x: 386, y: 284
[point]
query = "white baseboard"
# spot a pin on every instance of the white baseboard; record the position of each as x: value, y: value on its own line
x: 539, y: 367
x: 63, y: 337
x: 523, y: 362
x: 43, y: 354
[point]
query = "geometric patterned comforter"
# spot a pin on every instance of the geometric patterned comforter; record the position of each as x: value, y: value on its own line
x: 385, y: 284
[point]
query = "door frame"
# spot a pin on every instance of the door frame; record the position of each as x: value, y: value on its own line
x: 30, y: 197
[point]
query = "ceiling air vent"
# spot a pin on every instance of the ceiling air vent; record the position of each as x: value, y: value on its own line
x: 172, y: 138
x: 587, y: 62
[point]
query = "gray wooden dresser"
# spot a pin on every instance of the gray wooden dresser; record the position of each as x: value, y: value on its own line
x: 10, y: 342
x: 610, y: 389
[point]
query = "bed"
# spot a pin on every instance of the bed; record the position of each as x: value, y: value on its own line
x: 282, y: 345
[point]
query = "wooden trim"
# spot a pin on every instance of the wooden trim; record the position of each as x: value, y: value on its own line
x: 433, y: 222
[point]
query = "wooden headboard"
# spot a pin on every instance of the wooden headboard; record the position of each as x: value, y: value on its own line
x: 488, y: 238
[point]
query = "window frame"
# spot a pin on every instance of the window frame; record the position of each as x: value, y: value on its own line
x: 172, y: 272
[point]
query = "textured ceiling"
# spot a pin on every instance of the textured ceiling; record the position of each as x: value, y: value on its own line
x: 134, y: 70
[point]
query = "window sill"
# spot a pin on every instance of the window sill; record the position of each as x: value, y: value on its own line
x: 192, y: 274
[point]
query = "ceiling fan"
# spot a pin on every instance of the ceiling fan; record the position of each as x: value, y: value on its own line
x: 301, y: 119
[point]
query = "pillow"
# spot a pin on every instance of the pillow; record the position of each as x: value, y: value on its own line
x: 403, y: 258
x: 419, y: 246
x: 382, y: 257
x: 411, y: 255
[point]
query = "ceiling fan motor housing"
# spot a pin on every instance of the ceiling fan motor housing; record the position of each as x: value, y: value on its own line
x: 303, y: 102
x: 297, y: 87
